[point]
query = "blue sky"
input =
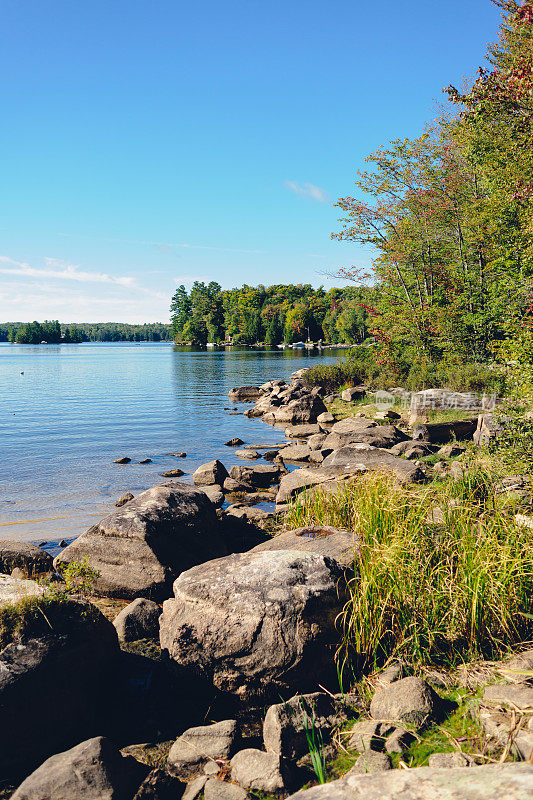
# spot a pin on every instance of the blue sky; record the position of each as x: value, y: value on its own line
x: 147, y: 144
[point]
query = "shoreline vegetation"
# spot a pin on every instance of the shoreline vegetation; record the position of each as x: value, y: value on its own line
x: 353, y: 607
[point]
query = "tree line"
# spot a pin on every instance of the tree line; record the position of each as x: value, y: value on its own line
x: 52, y: 332
x: 268, y: 315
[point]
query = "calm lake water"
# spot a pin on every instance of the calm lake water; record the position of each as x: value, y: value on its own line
x: 67, y: 411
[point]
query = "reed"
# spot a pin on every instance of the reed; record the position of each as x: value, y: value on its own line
x: 430, y: 593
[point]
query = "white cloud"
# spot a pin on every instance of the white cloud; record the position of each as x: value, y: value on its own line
x: 308, y: 190
x: 56, y: 269
x: 33, y: 293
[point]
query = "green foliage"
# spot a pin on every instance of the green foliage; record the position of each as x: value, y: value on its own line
x: 315, y: 743
x: 270, y: 315
x: 32, y: 617
x: 334, y: 376
x: 424, y: 591
x: 35, y: 332
x: 79, y: 577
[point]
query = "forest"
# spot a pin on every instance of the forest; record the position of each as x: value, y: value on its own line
x: 268, y: 315
x: 52, y: 332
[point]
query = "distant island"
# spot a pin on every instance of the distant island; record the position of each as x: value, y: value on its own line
x: 53, y: 332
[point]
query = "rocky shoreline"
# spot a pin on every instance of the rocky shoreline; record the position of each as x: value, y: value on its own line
x: 218, y: 677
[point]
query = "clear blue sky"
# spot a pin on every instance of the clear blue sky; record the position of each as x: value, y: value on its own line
x: 147, y: 143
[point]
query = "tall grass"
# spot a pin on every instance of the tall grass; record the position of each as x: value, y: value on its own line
x: 426, y: 592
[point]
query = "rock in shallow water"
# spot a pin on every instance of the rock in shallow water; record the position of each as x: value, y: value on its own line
x: 256, y: 623
x: 141, y: 548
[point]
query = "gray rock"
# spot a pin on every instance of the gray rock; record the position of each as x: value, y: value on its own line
x: 214, y: 472
x: 73, y: 648
x: 235, y: 442
x: 215, y: 494
x: 141, y: 548
x: 258, y: 475
x: 412, y: 449
x: 286, y: 724
x: 410, y: 700
x: 249, y: 454
x: 353, y: 394
x: 173, y: 473
x: 13, y: 589
x: 257, y: 770
x: 123, y: 460
x: 256, y: 623
x: 374, y: 458
x: 316, y: 441
x: 196, y: 746
x: 195, y: 788
x: 231, y: 485
x: 494, y: 782
x: 391, y: 673
x: 399, y: 741
x: 245, y: 393
x: 139, y: 620
x: 27, y: 557
x: 519, y: 696
x: 385, y: 436
x: 326, y: 418
x: 442, y: 432
x: 125, y: 498
x: 448, y: 760
x: 93, y: 770
x: 340, y: 545
x: 297, y: 452
x: 451, y: 450
x: 488, y: 428
x: 221, y: 790
x: 366, y: 735
x: 301, y: 431
x: 299, y: 480
x: 371, y: 761
x: 300, y: 411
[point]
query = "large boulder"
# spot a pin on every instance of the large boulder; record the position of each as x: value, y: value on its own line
x: 445, y: 400
x: 301, y: 410
x: 374, y: 435
x: 256, y: 623
x: 492, y: 782
x: 374, y: 458
x: 141, y: 548
x: 93, y: 770
x: 57, y: 679
x: 341, y: 545
x: 24, y: 556
x: 442, y: 432
x: 214, y: 473
x: 257, y: 475
x: 255, y: 769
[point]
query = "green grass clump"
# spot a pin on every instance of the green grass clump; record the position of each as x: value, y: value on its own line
x: 32, y: 617
x: 426, y: 592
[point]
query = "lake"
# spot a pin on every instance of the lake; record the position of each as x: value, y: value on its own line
x: 68, y: 411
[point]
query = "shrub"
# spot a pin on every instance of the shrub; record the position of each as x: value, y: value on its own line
x: 334, y: 376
